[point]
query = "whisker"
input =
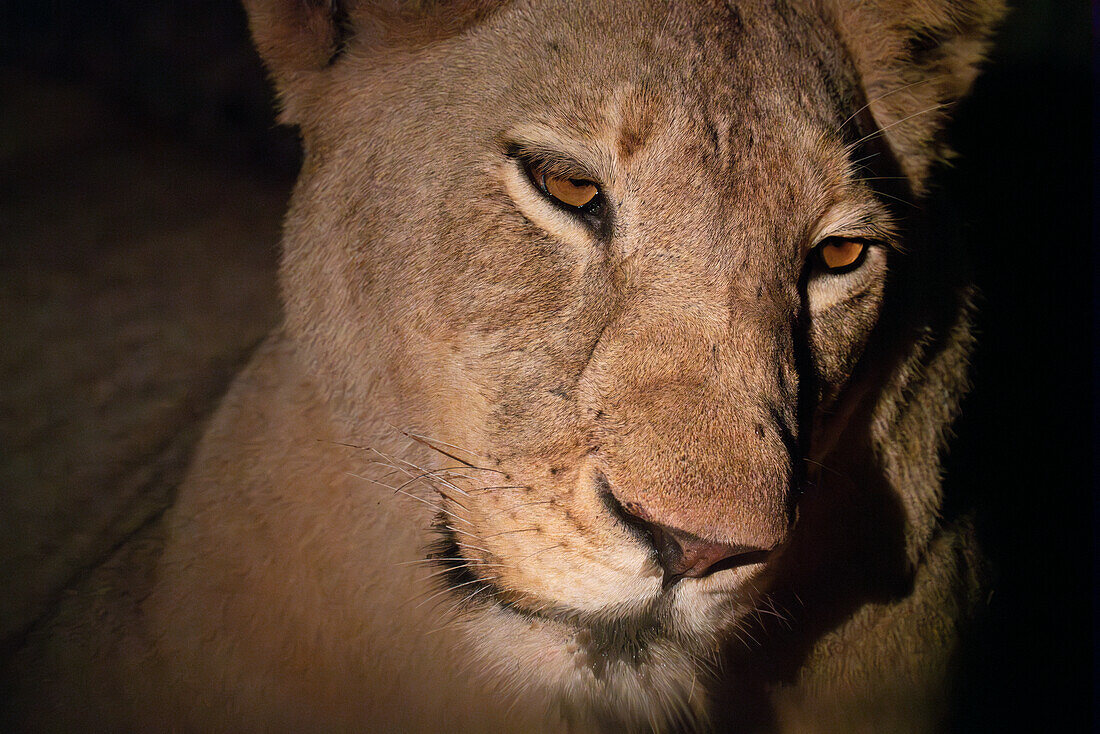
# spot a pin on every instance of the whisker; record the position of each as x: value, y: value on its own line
x: 895, y: 123
x: 425, y: 442
x: 826, y: 467
x: 430, y: 560
x: 391, y: 461
x: 463, y: 532
x: 344, y: 444
x: 748, y: 634
x: 511, y: 532
x: 445, y: 626
x: 471, y: 546
x: 896, y: 198
x: 737, y: 636
x: 429, y: 476
x: 867, y: 157
x: 441, y: 572
x: 398, y: 490
x: 411, y: 434
x: 445, y: 571
x: 420, y: 469
x: 772, y: 612
x: 467, y: 598
x: 454, y: 471
x: 785, y: 617
x: 448, y: 590
x: 884, y: 96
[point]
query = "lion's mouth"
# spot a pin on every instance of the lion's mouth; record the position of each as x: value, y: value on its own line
x: 470, y: 591
x: 457, y: 572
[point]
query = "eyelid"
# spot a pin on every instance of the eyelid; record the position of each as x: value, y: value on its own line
x: 554, y: 165
x: 856, y: 218
x: 873, y: 236
x: 537, y: 168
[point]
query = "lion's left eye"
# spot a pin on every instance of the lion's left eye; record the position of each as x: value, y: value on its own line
x: 839, y: 255
x: 573, y: 193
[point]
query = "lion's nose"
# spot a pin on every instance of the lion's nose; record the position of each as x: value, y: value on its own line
x: 685, y: 555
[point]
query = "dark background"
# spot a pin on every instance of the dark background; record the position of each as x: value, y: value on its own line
x: 1022, y: 190
x: 1024, y: 448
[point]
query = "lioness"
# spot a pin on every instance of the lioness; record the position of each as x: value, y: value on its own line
x: 616, y: 366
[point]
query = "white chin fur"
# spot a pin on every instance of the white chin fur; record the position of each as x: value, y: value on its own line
x: 623, y: 675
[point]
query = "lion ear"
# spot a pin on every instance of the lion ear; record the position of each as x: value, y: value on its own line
x: 299, y: 40
x: 916, y: 59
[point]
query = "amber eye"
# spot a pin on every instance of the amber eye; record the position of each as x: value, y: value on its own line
x: 576, y: 193
x: 839, y: 255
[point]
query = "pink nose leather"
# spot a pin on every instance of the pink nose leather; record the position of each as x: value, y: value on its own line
x: 683, y: 555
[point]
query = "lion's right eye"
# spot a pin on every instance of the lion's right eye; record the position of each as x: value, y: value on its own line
x: 573, y: 193
x: 839, y: 254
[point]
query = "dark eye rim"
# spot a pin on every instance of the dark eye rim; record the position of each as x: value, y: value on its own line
x: 818, y: 259
x: 596, y: 214
x: 591, y: 209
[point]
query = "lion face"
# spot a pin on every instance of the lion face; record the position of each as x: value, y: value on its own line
x: 629, y: 358
x: 616, y: 261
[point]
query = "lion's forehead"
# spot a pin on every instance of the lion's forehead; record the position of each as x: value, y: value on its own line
x: 693, y: 107
x: 620, y: 66
x: 723, y: 116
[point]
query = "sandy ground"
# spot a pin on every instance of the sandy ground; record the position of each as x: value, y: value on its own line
x: 135, y: 278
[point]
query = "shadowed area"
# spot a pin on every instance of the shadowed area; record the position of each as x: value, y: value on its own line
x: 135, y: 277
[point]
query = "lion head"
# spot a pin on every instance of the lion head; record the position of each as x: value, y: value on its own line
x: 638, y: 281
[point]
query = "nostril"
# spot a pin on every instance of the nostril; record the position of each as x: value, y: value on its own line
x: 681, y: 554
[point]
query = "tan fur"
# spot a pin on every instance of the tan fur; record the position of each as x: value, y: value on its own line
x: 459, y: 353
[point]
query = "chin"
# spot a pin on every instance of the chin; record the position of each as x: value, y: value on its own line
x: 644, y: 664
